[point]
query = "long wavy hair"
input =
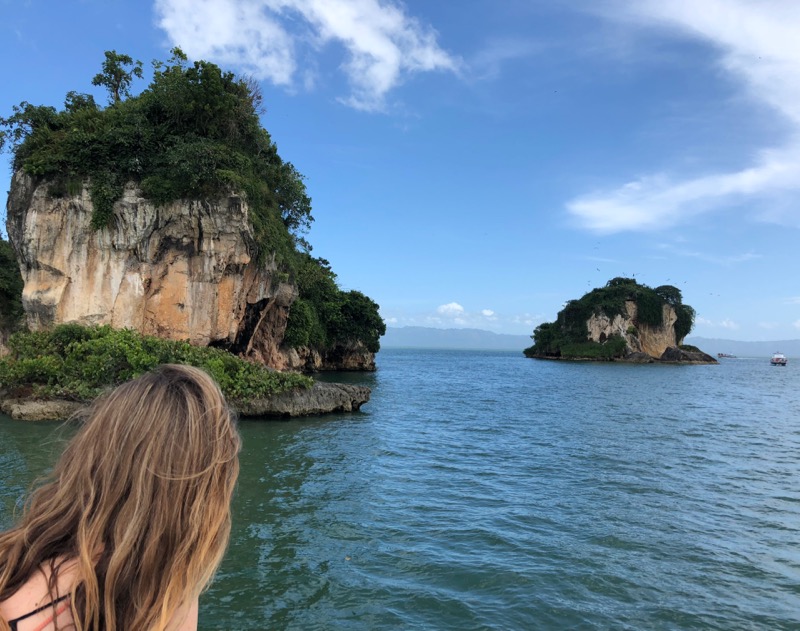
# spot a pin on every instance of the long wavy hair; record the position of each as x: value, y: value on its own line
x: 139, y: 501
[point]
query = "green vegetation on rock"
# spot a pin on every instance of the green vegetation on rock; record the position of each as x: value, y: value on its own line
x: 79, y: 363
x: 10, y: 289
x: 325, y: 316
x: 193, y: 133
x: 567, y: 337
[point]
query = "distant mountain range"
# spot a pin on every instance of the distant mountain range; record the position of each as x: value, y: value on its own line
x: 712, y: 346
x: 466, y: 339
x: 478, y: 339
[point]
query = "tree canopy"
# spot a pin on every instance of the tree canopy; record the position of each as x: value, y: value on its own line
x: 193, y: 133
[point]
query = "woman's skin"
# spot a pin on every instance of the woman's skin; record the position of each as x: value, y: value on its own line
x: 34, y: 594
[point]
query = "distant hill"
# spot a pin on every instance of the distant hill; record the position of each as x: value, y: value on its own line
x: 712, y: 346
x: 466, y: 339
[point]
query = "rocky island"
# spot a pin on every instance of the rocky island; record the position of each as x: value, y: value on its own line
x: 623, y: 321
x: 166, y: 227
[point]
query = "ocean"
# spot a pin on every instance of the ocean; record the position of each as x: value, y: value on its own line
x: 484, y: 490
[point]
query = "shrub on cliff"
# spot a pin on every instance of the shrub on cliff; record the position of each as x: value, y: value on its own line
x: 76, y: 362
x: 10, y: 288
x: 567, y: 336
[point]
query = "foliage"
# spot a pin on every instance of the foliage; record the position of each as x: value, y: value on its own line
x: 76, y: 362
x: 612, y: 348
x: 568, y: 335
x: 690, y: 348
x: 10, y: 288
x: 325, y: 316
x: 685, y: 321
x: 193, y: 133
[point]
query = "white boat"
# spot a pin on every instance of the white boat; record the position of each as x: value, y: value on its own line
x: 778, y: 359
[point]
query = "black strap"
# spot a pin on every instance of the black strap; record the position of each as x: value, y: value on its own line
x: 52, y: 603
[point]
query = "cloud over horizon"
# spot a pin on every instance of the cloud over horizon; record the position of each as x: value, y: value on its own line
x: 382, y: 44
x: 758, y: 48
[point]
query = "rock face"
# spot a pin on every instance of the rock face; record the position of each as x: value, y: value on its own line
x: 183, y: 271
x: 650, y: 340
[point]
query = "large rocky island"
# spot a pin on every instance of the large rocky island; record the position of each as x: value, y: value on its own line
x: 171, y: 217
x: 623, y: 321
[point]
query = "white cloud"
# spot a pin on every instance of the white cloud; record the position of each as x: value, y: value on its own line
x: 796, y: 324
x: 383, y: 44
x: 759, y: 48
x: 487, y: 313
x: 794, y: 300
x: 450, y: 310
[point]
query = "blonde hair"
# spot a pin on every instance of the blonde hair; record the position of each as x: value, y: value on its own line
x: 140, y: 500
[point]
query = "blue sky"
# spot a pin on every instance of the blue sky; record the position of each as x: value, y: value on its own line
x: 478, y: 163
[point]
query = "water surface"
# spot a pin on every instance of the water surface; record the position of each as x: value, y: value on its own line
x: 481, y: 490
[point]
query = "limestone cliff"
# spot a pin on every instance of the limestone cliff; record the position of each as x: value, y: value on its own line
x: 640, y: 338
x: 183, y: 271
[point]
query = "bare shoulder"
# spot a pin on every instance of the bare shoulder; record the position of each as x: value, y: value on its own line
x: 34, y: 593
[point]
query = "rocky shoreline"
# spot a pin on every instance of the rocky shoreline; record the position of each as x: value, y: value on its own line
x: 672, y: 355
x: 321, y: 398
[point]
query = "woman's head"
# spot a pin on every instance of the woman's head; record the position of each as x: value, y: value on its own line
x: 140, y: 498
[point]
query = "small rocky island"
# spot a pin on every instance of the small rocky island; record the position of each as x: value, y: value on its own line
x: 165, y: 227
x: 623, y: 321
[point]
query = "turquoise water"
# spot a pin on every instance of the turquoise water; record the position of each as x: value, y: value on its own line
x: 481, y: 490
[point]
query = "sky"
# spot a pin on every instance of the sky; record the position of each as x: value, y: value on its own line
x: 478, y: 163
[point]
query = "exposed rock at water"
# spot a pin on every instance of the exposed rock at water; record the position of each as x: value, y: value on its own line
x: 39, y: 409
x: 321, y: 398
x: 678, y: 355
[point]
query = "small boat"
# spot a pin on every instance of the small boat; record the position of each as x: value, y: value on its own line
x: 778, y: 359
x: 726, y: 356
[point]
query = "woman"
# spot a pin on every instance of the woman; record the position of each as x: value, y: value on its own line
x: 135, y: 517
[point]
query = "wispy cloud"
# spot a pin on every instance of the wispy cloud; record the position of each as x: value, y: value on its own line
x: 490, y: 61
x: 758, y: 48
x: 725, y: 323
x: 708, y: 257
x: 382, y: 43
